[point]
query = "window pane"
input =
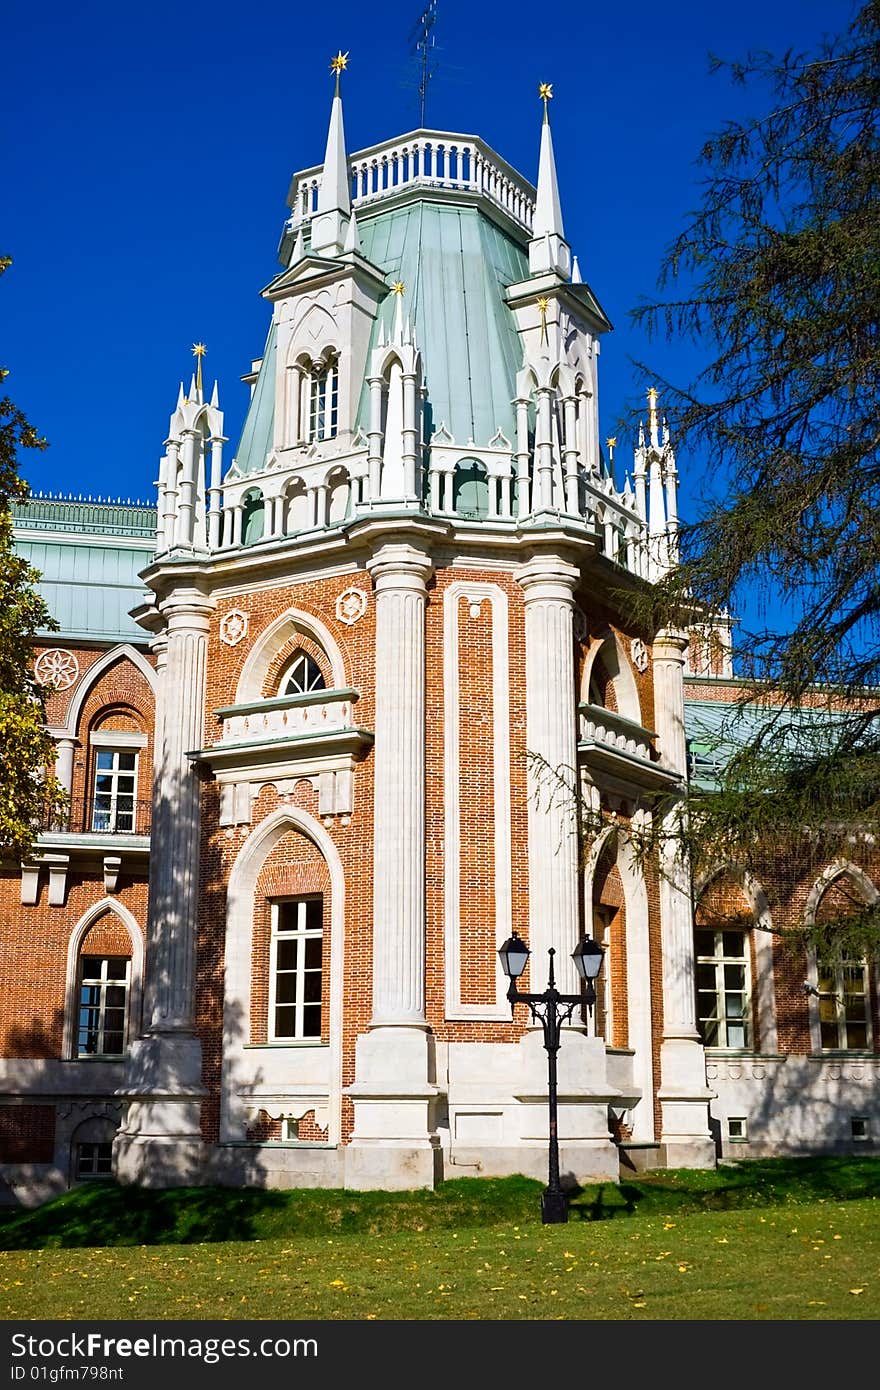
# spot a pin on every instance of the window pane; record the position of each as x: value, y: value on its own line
x: 734, y: 976
x: 705, y: 942
x: 710, y: 1032
x: 706, y: 977
x: 286, y: 954
x: 312, y: 987
x: 314, y: 948
x: 113, y: 1043
x: 736, y: 1035
x: 117, y: 968
x: 312, y: 1021
x: 314, y: 914
x: 733, y: 943
x: 856, y: 1035
x: 287, y: 915
x: 115, y: 997
x: 285, y: 988
x: 830, y: 1036
x: 103, y: 759
x: 127, y: 762
x: 285, y: 1022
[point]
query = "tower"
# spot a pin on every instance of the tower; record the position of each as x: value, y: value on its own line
x: 384, y: 627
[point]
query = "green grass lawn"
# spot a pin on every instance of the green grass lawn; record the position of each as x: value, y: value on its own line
x: 787, y: 1239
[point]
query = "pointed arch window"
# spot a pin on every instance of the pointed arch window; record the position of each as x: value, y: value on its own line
x: 303, y: 675
x: 323, y: 418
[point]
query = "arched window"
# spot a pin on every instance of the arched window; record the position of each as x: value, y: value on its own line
x: 470, y: 490
x: 303, y: 675
x: 323, y: 417
x: 842, y: 984
x: 253, y: 511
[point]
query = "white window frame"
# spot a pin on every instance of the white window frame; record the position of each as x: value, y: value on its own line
x: 114, y: 744
x: 323, y: 400
x: 93, y: 1173
x: 102, y: 982
x: 719, y: 960
x: 300, y: 934
x: 310, y: 682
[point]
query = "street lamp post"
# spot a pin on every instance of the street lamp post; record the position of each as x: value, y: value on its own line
x: 551, y: 1009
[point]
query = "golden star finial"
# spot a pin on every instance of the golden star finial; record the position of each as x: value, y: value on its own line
x: 611, y: 445
x: 652, y: 396
x: 398, y: 287
x: 199, y: 351
x: 338, y: 65
x: 543, y: 306
x: 545, y: 92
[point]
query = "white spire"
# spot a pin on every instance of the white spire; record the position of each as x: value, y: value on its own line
x: 299, y: 248
x: 330, y: 223
x: 576, y: 277
x: 548, y: 249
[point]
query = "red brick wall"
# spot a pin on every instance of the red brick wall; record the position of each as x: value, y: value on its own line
x: 27, y: 1133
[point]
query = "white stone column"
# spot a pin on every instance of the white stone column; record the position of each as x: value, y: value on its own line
x: 64, y: 762
x: 543, y: 498
x: 570, y: 456
x: 168, y: 501
x: 186, y: 502
x: 374, y: 437
x: 394, y: 1089
x: 522, y: 458
x: 548, y: 585
x: 160, y: 1141
x: 684, y: 1095
x: 215, y: 492
x: 584, y: 1089
x: 410, y: 437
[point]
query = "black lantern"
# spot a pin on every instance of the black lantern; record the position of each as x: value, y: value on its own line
x: 551, y: 1009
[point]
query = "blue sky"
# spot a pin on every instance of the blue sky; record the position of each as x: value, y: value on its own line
x: 148, y: 152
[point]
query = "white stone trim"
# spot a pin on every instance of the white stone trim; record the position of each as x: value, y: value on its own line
x: 77, y: 936
x: 497, y: 600
x: 270, y: 642
x: 841, y: 868
x: 123, y: 652
x: 237, y: 1062
x: 117, y: 738
x: 638, y: 970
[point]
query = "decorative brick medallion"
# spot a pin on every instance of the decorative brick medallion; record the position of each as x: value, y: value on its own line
x: 233, y: 627
x: 639, y: 653
x: 351, y: 605
x: 57, y: 667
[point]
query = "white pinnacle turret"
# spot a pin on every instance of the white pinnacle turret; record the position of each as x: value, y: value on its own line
x: 548, y: 249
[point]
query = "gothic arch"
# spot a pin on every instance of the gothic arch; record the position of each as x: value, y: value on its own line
x: 94, y: 672
x: 606, y: 647
x: 77, y: 936
x: 269, y: 643
x: 841, y: 868
x: 239, y: 928
x: 762, y: 941
x: 638, y: 963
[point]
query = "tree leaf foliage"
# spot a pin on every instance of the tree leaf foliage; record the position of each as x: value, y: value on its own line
x: 776, y: 278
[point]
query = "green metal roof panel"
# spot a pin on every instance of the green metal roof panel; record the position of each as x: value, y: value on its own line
x: 716, y: 730
x: 89, y: 589
x: 258, y: 429
x: 456, y: 264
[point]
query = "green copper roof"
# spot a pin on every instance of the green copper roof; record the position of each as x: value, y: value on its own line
x: 88, y: 555
x: 456, y: 264
x: 257, y: 432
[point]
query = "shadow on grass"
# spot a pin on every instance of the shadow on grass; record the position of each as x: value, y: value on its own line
x: 104, y: 1214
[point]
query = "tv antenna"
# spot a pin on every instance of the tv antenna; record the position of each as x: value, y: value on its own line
x: 421, y: 41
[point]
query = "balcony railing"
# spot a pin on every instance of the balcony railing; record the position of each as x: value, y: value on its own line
x: 126, y: 817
